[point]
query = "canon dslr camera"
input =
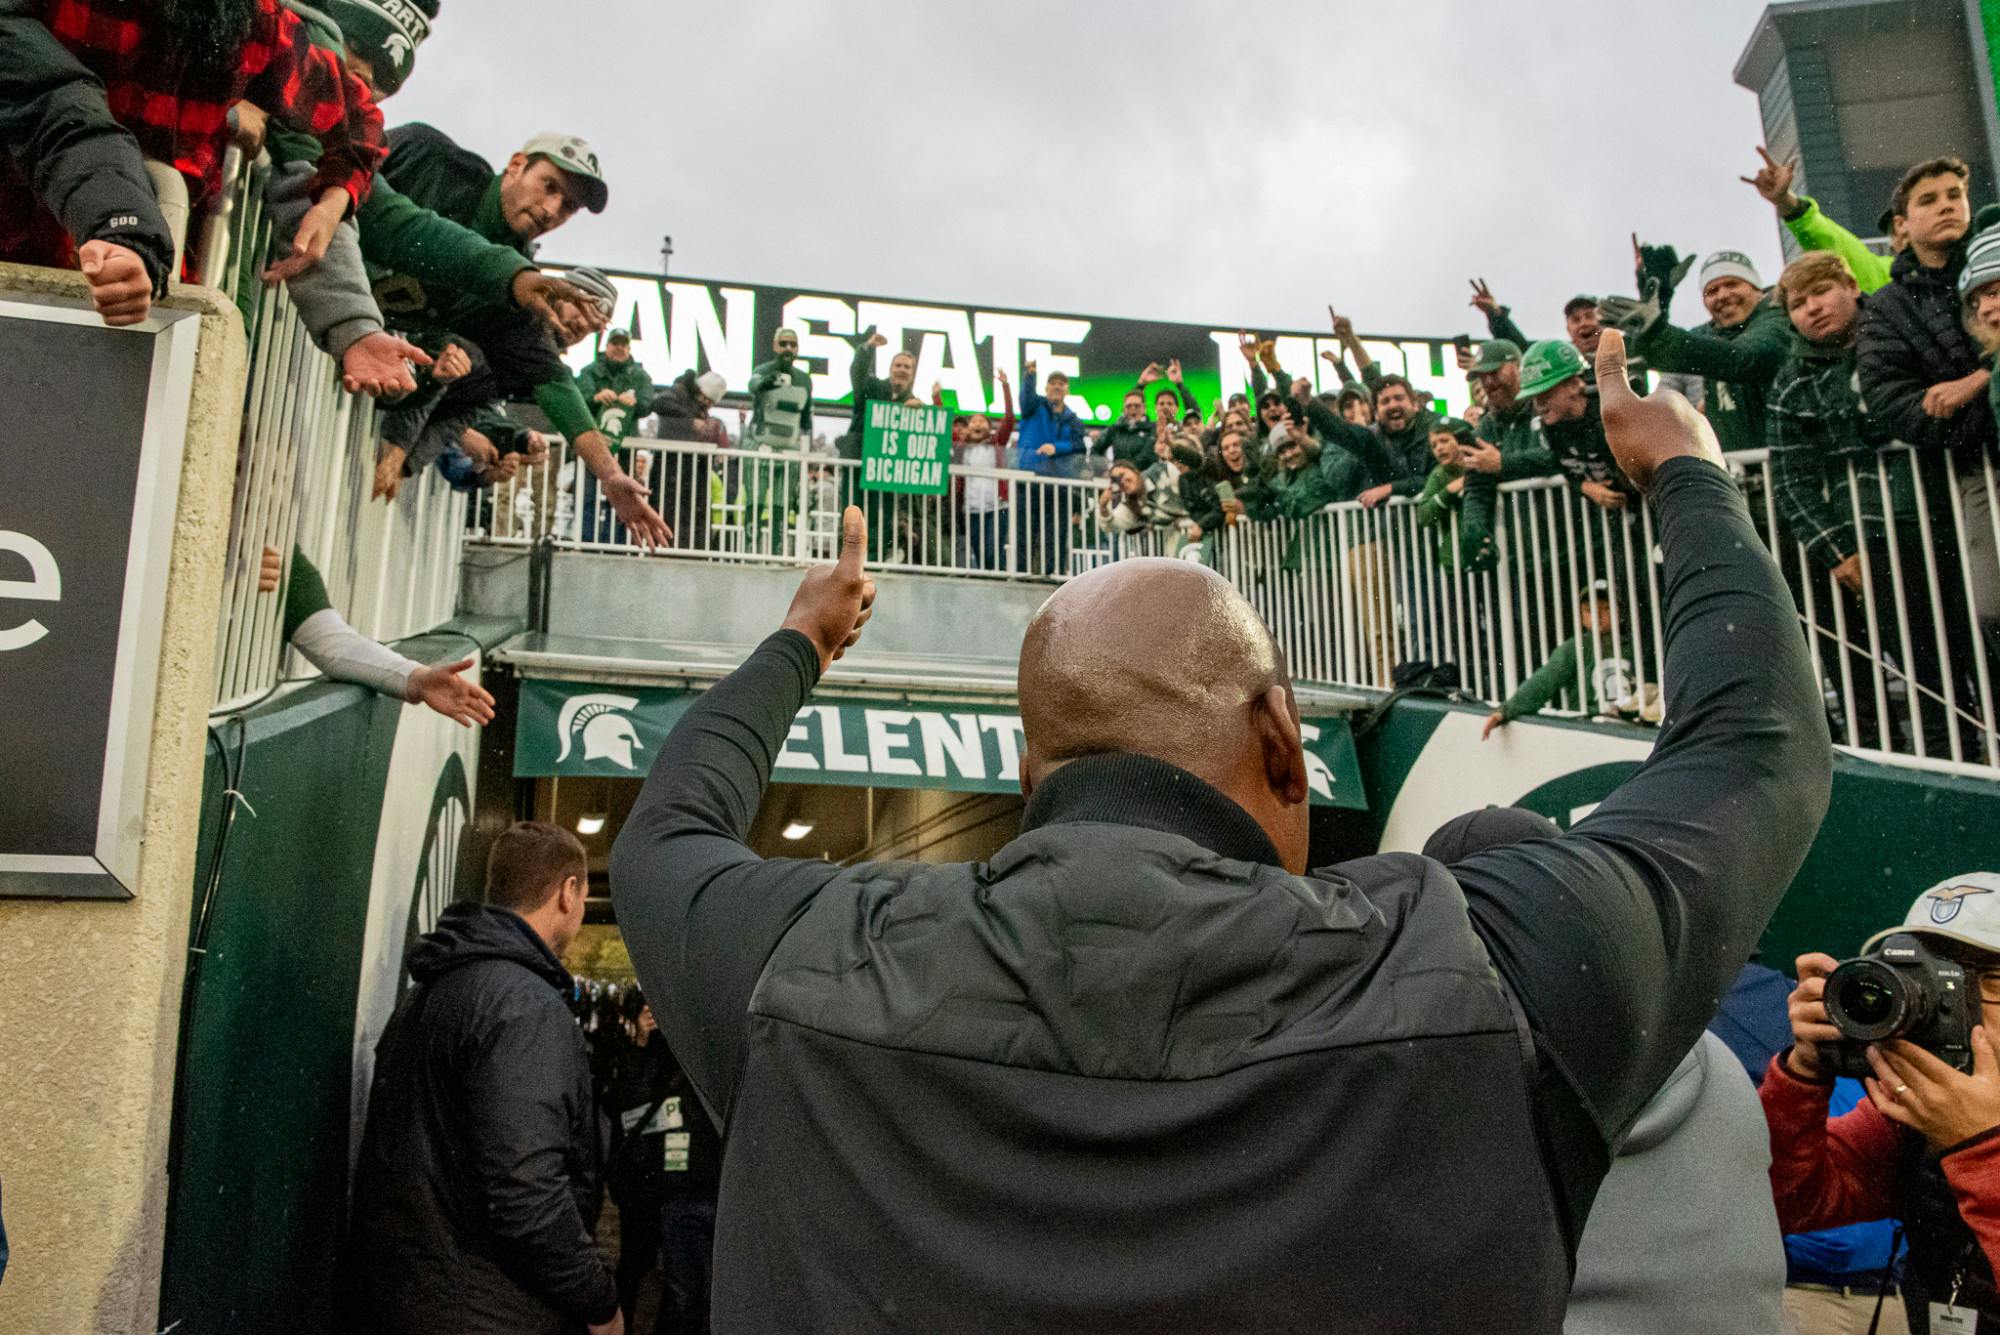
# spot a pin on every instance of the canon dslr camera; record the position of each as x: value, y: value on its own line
x: 1904, y: 990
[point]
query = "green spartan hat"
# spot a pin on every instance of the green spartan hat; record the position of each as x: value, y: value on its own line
x: 387, y: 33
x: 1547, y: 364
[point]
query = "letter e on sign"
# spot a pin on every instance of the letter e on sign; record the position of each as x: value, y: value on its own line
x: 43, y: 585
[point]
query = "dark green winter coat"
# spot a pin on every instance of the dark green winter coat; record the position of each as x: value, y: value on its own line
x: 615, y: 419
x: 1129, y: 442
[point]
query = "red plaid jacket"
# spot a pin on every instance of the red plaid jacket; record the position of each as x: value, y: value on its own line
x: 183, y: 117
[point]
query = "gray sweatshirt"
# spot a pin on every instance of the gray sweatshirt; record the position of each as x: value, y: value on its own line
x: 1684, y: 1238
x: 332, y: 297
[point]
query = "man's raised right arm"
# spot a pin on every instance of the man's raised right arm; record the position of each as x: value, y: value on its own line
x: 700, y: 911
x: 1619, y: 937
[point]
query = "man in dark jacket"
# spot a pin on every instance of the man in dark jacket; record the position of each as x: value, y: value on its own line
x: 85, y: 167
x: 1922, y: 374
x: 866, y: 387
x: 1405, y: 432
x: 687, y: 477
x: 1140, y: 1071
x: 1129, y: 440
x: 477, y: 1185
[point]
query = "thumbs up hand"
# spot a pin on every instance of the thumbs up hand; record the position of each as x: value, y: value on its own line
x: 834, y: 602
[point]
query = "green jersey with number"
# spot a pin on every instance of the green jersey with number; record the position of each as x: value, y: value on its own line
x: 780, y: 407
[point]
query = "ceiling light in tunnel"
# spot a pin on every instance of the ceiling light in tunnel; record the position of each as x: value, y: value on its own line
x: 590, y: 824
x: 798, y: 830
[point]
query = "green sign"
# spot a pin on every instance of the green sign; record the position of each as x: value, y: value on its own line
x: 568, y: 728
x: 905, y: 449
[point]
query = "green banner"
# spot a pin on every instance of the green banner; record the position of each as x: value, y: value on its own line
x: 571, y: 729
x: 906, y: 449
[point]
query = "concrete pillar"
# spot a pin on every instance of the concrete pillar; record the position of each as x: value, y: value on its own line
x: 90, y: 990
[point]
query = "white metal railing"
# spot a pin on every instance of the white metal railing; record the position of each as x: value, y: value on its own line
x: 1907, y: 662
x: 303, y: 477
x: 785, y: 507
x: 1353, y: 592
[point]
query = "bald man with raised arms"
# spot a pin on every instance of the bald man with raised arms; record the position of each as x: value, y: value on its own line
x: 1143, y: 1071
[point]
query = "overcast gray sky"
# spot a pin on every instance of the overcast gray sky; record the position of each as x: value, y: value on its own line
x: 1225, y: 164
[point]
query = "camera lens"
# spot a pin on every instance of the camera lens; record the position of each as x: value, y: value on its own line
x: 1868, y: 1002
x: 1871, y: 1001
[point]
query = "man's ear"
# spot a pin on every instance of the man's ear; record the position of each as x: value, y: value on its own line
x: 1276, y: 720
x: 574, y: 890
x: 515, y: 166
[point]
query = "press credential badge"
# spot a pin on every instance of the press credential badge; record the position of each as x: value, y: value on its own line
x: 1949, y: 1320
x: 676, y: 1150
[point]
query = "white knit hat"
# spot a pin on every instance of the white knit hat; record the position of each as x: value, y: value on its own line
x: 1729, y: 264
x: 712, y: 385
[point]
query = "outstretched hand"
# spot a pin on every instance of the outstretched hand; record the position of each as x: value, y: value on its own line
x: 459, y: 699
x: 315, y: 234
x: 834, y: 602
x: 379, y: 363
x: 1483, y: 298
x: 1646, y: 432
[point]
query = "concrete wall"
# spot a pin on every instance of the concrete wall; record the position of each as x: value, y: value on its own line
x: 86, y: 1059
x: 712, y: 602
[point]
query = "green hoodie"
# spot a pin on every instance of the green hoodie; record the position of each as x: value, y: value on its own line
x: 1474, y: 506
x: 1737, y: 367
x: 1129, y: 442
x: 616, y: 419
x: 1557, y: 677
x: 1294, y: 494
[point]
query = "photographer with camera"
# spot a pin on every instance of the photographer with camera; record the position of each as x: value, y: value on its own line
x: 1925, y: 1146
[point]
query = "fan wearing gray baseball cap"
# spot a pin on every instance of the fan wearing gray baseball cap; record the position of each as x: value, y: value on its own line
x: 1924, y: 1147
x: 541, y: 187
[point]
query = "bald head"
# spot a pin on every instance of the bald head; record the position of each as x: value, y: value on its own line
x: 1165, y: 659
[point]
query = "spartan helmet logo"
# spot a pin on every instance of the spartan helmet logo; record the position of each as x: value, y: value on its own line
x: 1614, y: 683
x: 1318, y: 777
x: 607, y: 732
x: 397, y: 47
